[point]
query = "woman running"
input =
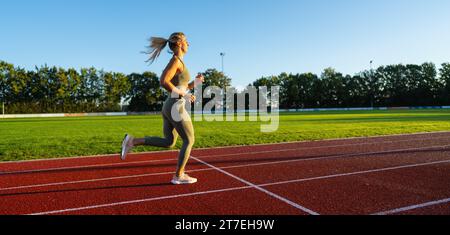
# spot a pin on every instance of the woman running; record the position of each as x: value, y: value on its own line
x: 175, y: 79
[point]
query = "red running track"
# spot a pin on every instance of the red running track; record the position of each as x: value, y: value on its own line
x: 400, y: 174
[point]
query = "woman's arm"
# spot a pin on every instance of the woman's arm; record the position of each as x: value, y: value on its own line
x: 198, y: 81
x: 191, y: 85
x: 167, y: 75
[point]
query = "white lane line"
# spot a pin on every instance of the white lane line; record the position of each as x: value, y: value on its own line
x: 356, y: 173
x: 92, y: 180
x: 138, y: 201
x: 206, y: 157
x: 234, y: 189
x: 226, y: 167
x: 84, y: 167
x: 302, y: 208
x: 316, y: 147
x: 239, y: 146
x: 413, y: 207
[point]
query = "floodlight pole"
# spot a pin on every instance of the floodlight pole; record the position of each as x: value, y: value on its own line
x: 371, y: 88
x: 222, y: 54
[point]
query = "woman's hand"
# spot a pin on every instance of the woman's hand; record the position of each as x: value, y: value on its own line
x: 178, y: 93
x: 192, y: 98
x: 199, y: 79
x: 182, y: 93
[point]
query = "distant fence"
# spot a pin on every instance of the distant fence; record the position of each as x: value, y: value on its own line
x: 364, y: 108
x: 45, y: 115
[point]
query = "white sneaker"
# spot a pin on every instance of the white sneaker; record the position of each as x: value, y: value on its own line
x: 126, y: 147
x: 184, y: 179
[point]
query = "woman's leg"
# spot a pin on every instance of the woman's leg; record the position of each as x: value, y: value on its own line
x: 169, y: 140
x: 170, y: 134
x: 186, y: 131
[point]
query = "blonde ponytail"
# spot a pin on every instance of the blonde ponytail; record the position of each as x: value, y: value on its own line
x: 155, y: 48
x: 158, y: 44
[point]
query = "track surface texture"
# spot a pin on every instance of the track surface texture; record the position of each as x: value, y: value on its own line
x: 400, y: 174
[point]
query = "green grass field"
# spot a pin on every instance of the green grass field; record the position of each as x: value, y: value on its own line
x: 36, y: 138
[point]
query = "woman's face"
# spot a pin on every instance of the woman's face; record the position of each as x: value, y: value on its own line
x: 183, y: 44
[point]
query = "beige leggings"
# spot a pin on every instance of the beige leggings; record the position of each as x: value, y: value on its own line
x: 176, y: 122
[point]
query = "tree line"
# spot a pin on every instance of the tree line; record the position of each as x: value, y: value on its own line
x: 386, y: 86
x: 57, y: 90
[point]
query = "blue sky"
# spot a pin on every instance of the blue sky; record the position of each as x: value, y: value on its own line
x: 259, y: 37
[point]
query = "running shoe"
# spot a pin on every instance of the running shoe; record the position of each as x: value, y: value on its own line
x: 126, y: 147
x: 184, y: 179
